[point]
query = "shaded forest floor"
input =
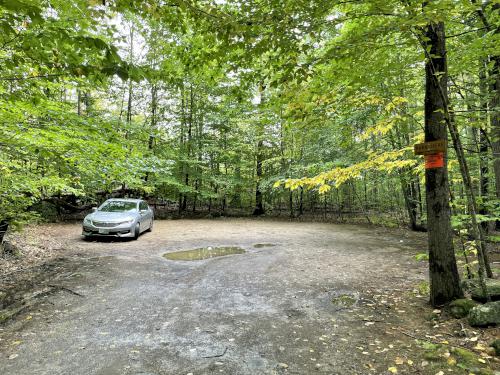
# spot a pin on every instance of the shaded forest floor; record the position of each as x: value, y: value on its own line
x: 304, y: 298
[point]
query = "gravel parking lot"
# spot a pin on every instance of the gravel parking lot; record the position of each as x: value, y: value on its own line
x: 303, y: 298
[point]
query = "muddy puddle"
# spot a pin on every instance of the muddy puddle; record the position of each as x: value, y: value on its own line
x: 204, y: 253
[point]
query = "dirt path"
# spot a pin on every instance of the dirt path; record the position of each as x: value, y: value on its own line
x: 332, y: 299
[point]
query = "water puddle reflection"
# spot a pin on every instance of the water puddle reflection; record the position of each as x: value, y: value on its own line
x: 261, y: 245
x: 203, y: 253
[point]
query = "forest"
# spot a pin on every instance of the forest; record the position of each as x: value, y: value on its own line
x: 278, y: 108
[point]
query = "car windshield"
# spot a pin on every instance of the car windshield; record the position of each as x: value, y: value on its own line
x: 119, y: 206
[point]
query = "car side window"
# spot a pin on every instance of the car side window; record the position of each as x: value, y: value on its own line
x: 143, y: 206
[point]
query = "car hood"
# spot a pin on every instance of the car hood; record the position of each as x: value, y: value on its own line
x: 112, y: 217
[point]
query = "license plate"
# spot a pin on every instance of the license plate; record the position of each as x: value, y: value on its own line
x: 103, y: 231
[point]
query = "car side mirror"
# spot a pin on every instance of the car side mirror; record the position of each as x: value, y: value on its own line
x: 94, y: 209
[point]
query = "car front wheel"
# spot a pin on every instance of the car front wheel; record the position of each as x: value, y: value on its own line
x: 137, y: 231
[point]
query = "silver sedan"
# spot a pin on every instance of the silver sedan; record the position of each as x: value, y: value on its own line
x: 119, y: 218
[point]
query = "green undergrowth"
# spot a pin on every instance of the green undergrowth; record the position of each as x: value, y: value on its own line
x: 451, y: 359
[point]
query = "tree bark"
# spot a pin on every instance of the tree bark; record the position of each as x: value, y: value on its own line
x: 154, y: 106
x: 443, y: 272
x: 4, y: 225
x: 409, y: 195
x: 79, y: 102
x: 182, y: 166
x: 259, y: 207
x: 301, y: 201
x: 130, y: 87
x: 494, y: 97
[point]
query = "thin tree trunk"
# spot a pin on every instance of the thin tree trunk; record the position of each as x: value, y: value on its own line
x: 4, y: 226
x: 154, y: 106
x: 301, y: 201
x: 130, y: 87
x: 79, y: 102
x: 182, y: 151
x: 259, y: 208
x: 477, y: 234
x: 188, y: 143
x: 494, y: 97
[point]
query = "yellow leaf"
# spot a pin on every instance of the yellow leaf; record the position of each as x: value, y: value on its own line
x: 324, y: 188
x: 399, y: 361
x: 481, y: 360
x: 394, y: 370
x: 452, y: 361
x: 410, y: 362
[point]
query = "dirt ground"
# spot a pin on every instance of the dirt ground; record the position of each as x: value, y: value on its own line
x: 318, y: 298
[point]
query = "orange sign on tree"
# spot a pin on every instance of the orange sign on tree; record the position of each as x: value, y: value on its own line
x: 434, y: 160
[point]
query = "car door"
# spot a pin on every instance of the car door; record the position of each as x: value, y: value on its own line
x: 150, y: 213
x: 145, y: 215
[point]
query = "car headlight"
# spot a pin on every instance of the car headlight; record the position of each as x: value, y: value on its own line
x: 87, y: 221
x: 129, y: 221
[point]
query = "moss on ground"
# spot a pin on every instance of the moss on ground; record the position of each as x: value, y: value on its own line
x: 344, y: 300
x: 460, y: 360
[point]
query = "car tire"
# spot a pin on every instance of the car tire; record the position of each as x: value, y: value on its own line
x: 137, y: 231
x: 150, y: 229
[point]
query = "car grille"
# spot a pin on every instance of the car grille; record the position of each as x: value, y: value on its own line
x: 101, y: 224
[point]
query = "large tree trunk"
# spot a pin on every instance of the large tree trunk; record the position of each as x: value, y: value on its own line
x: 443, y: 272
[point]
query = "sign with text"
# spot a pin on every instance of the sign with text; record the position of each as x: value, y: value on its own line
x: 434, y: 160
x: 428, y: 148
